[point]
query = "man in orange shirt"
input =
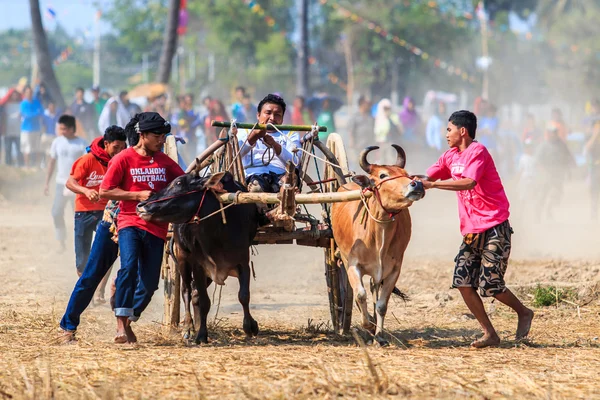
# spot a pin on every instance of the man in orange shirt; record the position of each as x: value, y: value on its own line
x: 86, y: 175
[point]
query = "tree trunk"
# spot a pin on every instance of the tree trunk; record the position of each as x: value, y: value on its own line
x: 347, y: 46
x: 302, y: 83
x: 169, y: 43
x: 44, y: 62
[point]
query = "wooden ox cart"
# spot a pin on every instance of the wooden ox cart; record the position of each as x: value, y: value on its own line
x: 290, y: 225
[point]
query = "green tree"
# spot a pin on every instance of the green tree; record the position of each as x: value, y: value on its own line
x: 572, y: 42
x: 139, y: 26
x: 247, y: 50
x: 521, y: 7
x: 15, y: 47
x: 228, y: 29
x: 379, y: 61
x: 233, y: 28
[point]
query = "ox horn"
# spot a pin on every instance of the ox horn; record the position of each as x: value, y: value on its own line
x: 401, y: 157
x: 364, y: 164
x: 196, y: 170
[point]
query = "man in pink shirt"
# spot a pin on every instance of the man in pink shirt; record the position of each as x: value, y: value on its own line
x: 469, y: 170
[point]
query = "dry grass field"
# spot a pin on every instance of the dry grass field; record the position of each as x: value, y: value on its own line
x: 296, y: 355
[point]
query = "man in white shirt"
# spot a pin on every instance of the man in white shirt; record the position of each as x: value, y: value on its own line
x: 65, y: 149
x: 265, y: 152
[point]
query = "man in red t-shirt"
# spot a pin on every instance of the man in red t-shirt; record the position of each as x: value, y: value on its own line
x: 86, y: 174
x: 131, y: 177
x: 468, y: 169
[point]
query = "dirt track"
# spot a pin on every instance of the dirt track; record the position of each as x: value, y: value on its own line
x: 295, y: 356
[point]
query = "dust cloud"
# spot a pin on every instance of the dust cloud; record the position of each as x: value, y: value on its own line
x: 291, y: 278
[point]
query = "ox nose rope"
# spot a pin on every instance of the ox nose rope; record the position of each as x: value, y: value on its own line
x: 375, y: 191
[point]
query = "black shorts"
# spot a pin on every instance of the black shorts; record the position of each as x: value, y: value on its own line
x: 482, y: 260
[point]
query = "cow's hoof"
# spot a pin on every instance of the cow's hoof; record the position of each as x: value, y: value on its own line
x: 201, y: 339
x: 381, y: 342
x: 254, y: 328
x: 251, y: 328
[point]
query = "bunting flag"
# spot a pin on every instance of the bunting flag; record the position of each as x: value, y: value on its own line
x: 50, y: 13
x: 183, y: 18
x: 459, y: 18
x: 258, y: 10
x: 64, y: 55
x: 380, y: 31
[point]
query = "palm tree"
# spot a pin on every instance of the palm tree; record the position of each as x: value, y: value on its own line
x: 42, y: 54
x: 169, y: 43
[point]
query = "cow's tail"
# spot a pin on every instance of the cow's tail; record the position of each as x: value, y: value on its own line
x: 401, y: 294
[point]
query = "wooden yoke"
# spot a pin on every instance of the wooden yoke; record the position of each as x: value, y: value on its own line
x: 283, y: 215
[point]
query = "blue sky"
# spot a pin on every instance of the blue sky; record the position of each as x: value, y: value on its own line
x: 73, y: 15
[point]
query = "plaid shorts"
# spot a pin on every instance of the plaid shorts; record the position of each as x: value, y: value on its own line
x: 482, y: 260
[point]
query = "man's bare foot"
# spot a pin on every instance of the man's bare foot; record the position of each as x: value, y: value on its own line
x: 131, y: 338
x: 65, y: 337
x: 486, y: 340
x: 99, y: 300
x: 524, y: 325
x: 121, y: 338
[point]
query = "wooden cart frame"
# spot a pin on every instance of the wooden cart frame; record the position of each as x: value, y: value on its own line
x: 333, y: 172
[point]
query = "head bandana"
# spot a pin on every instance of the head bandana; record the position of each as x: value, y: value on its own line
x: 152, y: 122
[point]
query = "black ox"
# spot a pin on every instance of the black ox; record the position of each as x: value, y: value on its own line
x: 207, y: 250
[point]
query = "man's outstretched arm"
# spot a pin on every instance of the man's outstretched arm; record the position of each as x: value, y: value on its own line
x: 457, y: 185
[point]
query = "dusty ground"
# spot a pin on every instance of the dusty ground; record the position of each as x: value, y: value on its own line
x: 295, y: 356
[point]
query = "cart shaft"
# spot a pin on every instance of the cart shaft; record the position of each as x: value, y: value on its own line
x: 302, y: 198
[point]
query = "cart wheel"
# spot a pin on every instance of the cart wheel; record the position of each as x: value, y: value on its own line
x: 338, y: 286
x: 172, y: 291
x: 170, y: 273
x: 339, y: 291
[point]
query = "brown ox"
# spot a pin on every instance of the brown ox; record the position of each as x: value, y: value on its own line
x: 373, y: 234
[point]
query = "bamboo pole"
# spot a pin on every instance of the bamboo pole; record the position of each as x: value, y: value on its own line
x: 302, y: 198
x: 239, y: 166
x: 246, y: 125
